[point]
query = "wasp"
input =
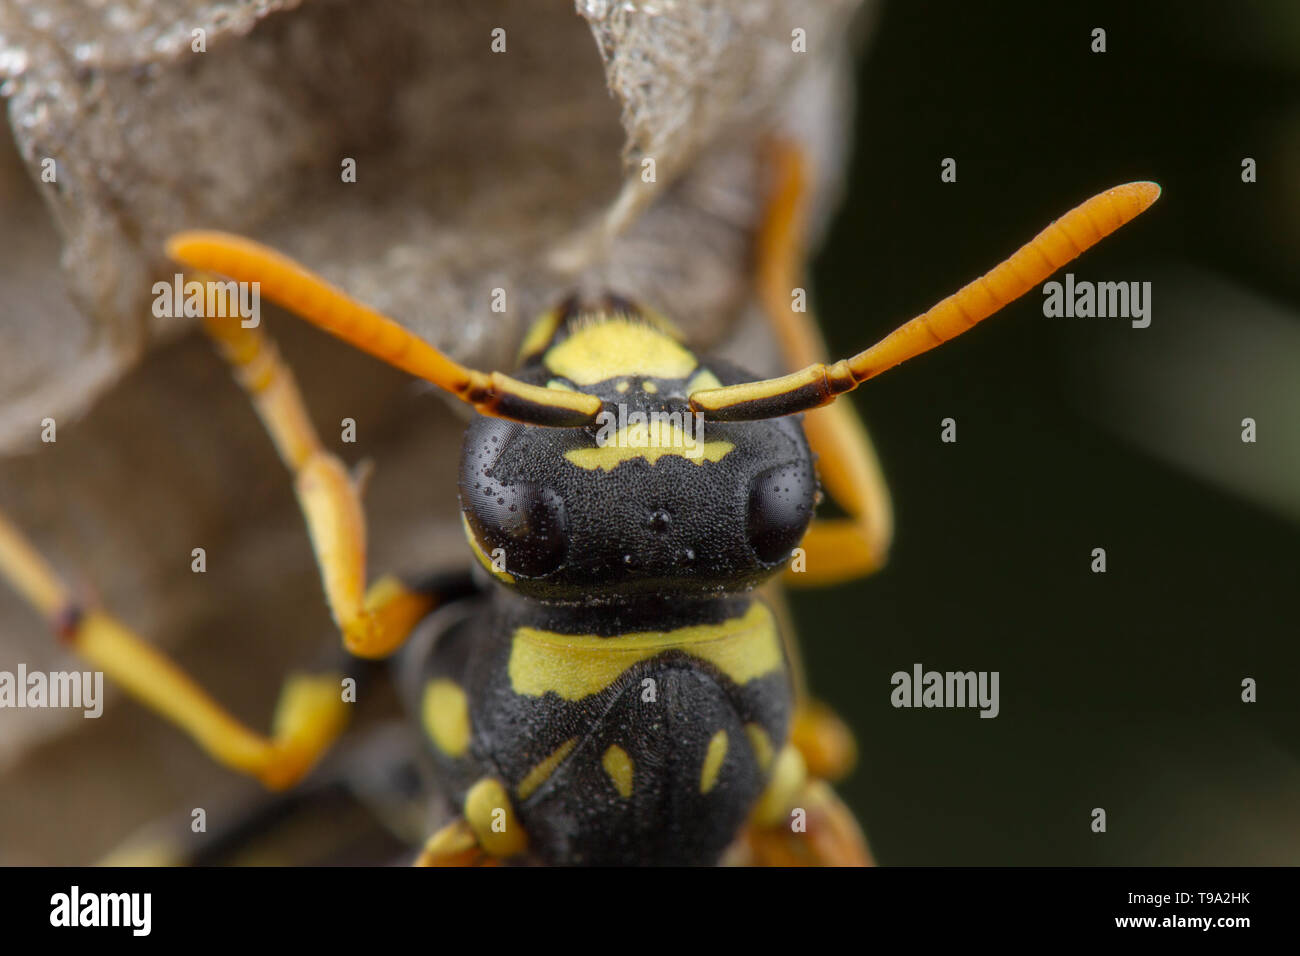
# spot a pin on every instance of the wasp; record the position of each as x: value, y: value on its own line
x: 612, y: 682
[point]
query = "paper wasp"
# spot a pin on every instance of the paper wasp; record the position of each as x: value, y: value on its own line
x: 621, y: 693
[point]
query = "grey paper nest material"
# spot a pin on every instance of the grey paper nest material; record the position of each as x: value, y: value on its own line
x: 476, y: 170
x: 472, y: 165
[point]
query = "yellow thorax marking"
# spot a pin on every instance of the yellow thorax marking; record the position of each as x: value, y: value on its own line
x: 713, y: 758
x: 542, y: 772
x: 618, y: 765
x: 761, y: 744
x: 788, y: 776
x: 445, y: 713
x: 575, y: 666
x: 651, y: 440
x: 612, y: 347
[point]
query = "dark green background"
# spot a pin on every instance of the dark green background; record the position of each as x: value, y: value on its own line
x: 1120, y: 690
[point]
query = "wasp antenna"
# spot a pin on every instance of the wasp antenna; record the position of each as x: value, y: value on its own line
x: 307, y: 295
x: 818, y: 384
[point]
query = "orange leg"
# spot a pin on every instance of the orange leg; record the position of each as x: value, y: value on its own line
x: 487, y: 834
x: 835, y: 549
x: 309, y: 717
x: 821, y: 830
x: 799, y: 821
x: 454, y: 845
x: 374, y: 622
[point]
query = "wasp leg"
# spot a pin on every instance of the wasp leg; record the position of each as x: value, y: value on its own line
x: 819, y: 831
x: 356, y: 808
x: 799, y: 821
x: 375, y: 623
x: 824, y: 741
x: 836, y: 549
x: 310, y: 715
x: 487, y: 834
x: 453, y: 845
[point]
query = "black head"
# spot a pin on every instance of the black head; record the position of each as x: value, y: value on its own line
x: 650, y: 499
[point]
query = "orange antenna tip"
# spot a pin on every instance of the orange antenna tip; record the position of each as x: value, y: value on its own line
x: 1068, y: 237
x: 1132, y: 199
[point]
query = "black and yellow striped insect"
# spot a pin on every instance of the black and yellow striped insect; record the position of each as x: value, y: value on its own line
x: 614, y: 687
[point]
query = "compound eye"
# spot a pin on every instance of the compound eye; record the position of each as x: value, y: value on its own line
x: 526, y: 521
x: 780, y: 507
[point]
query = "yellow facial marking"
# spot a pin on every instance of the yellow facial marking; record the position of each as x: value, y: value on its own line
x: 575, y: 666
x: 619, y: 767
x: 445, y: 713
x: 617, y: 346
x: 713, y: 758
x: 483, y: 559
x: 650, y: 388
x: 761, y: 744
x: 492, y: 818
x: 542, y: 772
x: 651, y: 440
x: 622, y: 387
